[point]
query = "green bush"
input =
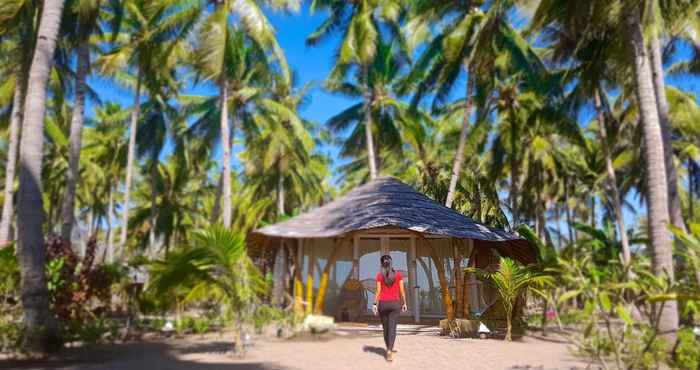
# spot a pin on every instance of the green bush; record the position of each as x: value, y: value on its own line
x: 200, y: 325
x: 10, y: 333
x: 687, y: 354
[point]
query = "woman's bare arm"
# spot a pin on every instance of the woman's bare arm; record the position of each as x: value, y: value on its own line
x: 403, y: 292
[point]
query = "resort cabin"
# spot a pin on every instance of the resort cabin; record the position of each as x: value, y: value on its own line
x: 326, y: 260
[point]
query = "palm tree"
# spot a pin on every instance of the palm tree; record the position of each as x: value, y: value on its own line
x: 658, y: 212
x: 85, y: 16
x: 359, y: 24
x: 448, y: 52
x: 40, y: 332
x: 377, y: 84
x: 106, y: 144
x: 17, y: 57
x: 151, y: 45
x: 216, y: 265
x: 214, y: 54
x: 511, y: 280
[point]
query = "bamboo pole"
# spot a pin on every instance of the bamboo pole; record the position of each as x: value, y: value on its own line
x: 323, y: 285
x: 310, y: 281
x: 298, y: 287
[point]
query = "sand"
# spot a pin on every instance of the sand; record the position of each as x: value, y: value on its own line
x: 351, y: 352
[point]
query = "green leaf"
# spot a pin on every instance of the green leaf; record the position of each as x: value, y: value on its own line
x: 623, y: 314
x: 604, y: 300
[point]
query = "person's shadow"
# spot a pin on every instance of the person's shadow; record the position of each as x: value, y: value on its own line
x: 376, y: 350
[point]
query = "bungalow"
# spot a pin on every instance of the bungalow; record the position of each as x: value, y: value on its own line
x: 330, y: 255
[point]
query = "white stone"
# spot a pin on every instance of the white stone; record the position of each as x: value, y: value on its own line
x: 318, y: 323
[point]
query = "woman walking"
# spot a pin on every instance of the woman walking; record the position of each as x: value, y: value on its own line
x: 389, y: 290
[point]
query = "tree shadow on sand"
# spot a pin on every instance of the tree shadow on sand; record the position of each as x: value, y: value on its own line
x: 144, y: 356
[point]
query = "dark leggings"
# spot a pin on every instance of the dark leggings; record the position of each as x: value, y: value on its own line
x: 389, y: 313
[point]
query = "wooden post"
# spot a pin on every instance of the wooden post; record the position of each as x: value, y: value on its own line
x: 413, y: 281
x: 323, y: 285
x: 310, y: 280
x: 298, y: 286
x: 466, y: 281
x: 383, y: 245
x: 356, y: 258
x: 458, y: 275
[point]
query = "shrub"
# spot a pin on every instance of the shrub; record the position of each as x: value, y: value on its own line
x: 200, y: 325
x: 75, y: 284
x: 687, y: 354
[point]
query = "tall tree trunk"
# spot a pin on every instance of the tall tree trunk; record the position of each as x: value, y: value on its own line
x: 612, y: 180
x: 514, y: 178
x: 40, y: 329
x: 371, y: 157
x: 567, y: 211
x: 279, y: 271
x: 133, y: 126
x: 593, y: 220
x: 11, y: 165
x: 459, y: 156
x: 226, y: 147
x: 216, y: 208
x: 658, y: 215
x: 674, y: 199
x: 280, y: 188
x: 110, y: 227
x: 444, y: 285
x: 76, y: 138
x: 153, y: 213
x: 691, y: 189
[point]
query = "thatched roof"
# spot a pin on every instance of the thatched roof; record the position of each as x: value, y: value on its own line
x: 388, y: 202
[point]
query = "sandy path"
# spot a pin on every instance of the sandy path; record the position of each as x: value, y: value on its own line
x: 352, y: 353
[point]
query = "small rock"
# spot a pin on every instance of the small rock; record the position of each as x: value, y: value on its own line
x: 318, y: 323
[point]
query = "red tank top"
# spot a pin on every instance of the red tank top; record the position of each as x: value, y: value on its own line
x: 389, y: 293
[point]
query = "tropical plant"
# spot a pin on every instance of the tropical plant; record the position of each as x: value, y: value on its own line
x: 511, y: 280
x: 217, y: 267
x: 360, y: 24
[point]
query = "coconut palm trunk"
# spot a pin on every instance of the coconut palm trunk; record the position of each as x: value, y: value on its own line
x: 371, y: 156
x: 226, y: 148
x: 76, y: 138
x: 110, y: 226
x: 133, y: 126
x: 674, y: 199
x: 153, y: 212
x: 40, y: 329
x: 279, y: 272
x: 280, y: 187
x: 657, y: 209
x: 612, y: 179
x: 459, y: 156
x: 11, y: 165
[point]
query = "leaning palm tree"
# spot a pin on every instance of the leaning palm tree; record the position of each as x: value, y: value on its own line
x: 511, y: 280
x: 39, y: 325
x: 216, y: 265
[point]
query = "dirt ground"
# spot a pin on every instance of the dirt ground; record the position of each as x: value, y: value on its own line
x: 351, y: 352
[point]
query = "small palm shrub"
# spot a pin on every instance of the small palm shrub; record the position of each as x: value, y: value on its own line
x: 511, y: 280
x: 216, y: 266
